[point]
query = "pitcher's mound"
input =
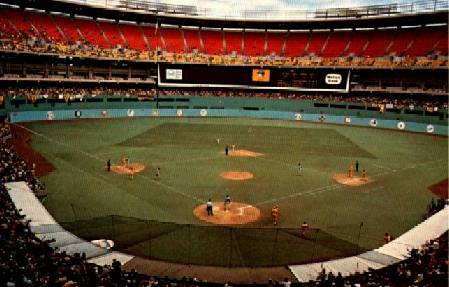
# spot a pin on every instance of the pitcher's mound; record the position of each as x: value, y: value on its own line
x: 244, y: 153
x: 236, y: 175
x: 132, y: 167
x: 351, y: 181
x: 237, y: 213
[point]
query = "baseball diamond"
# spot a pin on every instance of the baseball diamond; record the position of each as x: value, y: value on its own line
x: 169, y: 211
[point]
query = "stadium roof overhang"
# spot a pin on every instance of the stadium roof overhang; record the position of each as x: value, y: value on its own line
x: 180, y: 20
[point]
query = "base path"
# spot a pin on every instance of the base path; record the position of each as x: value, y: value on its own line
x: 351, y: 181
x: 132, y: 167
x: 243, y: 153
x: 237, y: 213
x: 236, y: 175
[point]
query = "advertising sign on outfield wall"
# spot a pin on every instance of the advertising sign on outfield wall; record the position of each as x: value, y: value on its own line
x: 78, y: 114
x: 298, y: 117
x: 203, y: 112
x: 50, y: 115
x: 104, y: 114
x: 179, y: 113
x: 401, y: 125
x: 347, y: 120
x: 430, y: 129
x: 154, y: 113
x: 373, y: 122
x: 130, y: 113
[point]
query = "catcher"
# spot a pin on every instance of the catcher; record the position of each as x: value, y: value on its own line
x: 275, y: 214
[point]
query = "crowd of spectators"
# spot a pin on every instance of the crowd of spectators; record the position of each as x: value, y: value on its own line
x: 434, y: 206
x: 78, y: 94
x: 38, y: 43
x: 426, y: 267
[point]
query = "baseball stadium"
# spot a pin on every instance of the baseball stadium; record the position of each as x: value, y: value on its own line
x: 224, y: 143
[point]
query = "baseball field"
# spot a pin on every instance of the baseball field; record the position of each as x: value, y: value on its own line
x: 162, y: 215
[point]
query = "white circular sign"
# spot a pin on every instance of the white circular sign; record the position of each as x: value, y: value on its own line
x: 373, y: 122
x: 203, y: 112
x: 130, y: 113
x: 347, y: 120
x: 179, y: 113
x: 401, y: 125
x: 322, y: 118
x: 50, y: 115
x: 298, y: 116
x: 430, y: 129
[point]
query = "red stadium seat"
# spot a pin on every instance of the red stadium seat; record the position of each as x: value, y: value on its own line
x: 192, y: 38
x: 425, y: 40
x: 153, y: 38
x: 213, y: 42
x: 91, y: 32
x: 357, y: 43
x: 68, y: 27
x: 134, y: 36
x: 316, y: 43
x: 173, y: 40
x: 275, y: 43
x: 233, y: 42
x: 112, y: 33
x: 378, y: 43
x: 401, y: 41
x: 336, y: 44
x: 45, y: 25
x: 296, y: 44
x: 254, y: 43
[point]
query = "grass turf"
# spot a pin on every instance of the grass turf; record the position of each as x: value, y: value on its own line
x: 403, y: 165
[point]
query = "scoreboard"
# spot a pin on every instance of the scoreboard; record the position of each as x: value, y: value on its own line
x: 253, y: 77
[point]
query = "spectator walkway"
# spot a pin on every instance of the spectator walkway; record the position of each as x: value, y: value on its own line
x: 393, y: 252
x: 46, y: 228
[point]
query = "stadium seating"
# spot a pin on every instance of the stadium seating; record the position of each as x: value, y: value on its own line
x: 19, y: 21
x: 254, y: 44
x: 378, y: 43
x: 425, y: 40
x: 173, y: 39
x: 152, y: 36
x: 275, y: 43
x: 357, y: 43
x: 401, y: 42
x: 296, y: 44
x: 46, y: 27
x: 336, y: 44
x: 408, y: 43
x: 233, y: 42
x: 316, y: 43
x: 134, y: 36
x: 91, y: 32
x: 112, y: 33
x: 213, y: 42
x: 69, y: 28
x: 192, y: 38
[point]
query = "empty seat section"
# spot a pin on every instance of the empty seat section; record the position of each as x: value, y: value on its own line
x: 133, y: 36
x: 424, y: 41
x: 193, y: 40
x: 112, y: 33
x: 45, y: 26
x: 233, y: 42
x: 255, y: 43
x: 6, y: 28
x: 275, y: 42
x: 173, y: 40
x: 296, y: 44
x: 213, y: 42
x: 357, y: 43
x: 17, y: 17
x: 68, y: 27
x: 442, y: 46
x: 378, y: 43
x: 153, y: 38
x: 316, y: 43
x: 91, y: 32
x: 336, y: 44
x: 401, y: 41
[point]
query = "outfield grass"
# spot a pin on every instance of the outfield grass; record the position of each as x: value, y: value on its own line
x: 402, y: 165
